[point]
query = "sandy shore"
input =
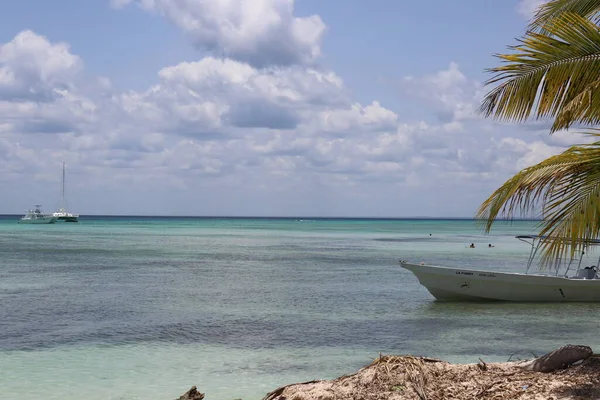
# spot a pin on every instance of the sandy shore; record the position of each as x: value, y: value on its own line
x: 408, y: 378
x: 419, y: 378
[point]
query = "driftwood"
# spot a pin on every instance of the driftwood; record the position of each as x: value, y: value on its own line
x: 558, y: 359
x: 192, y: 394
x: 277, y: 392
x: 482, y: 365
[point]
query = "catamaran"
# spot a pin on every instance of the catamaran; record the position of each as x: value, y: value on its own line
x: 62, y: 214
x: 567, y: 282
x: 36, y: 216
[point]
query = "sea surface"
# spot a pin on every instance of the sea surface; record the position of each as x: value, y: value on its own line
x: 125, y: 308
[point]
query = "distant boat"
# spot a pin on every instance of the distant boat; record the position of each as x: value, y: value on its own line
x: 461, y: 284
x: 62, y: 214
x: 36, y: 216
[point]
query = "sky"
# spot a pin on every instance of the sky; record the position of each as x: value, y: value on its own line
x: 337, y: 108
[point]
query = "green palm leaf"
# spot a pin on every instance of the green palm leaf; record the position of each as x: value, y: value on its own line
x: 547, y: 72
x: 550, y: 10
x: 583, y: 108
x: 565, y: 189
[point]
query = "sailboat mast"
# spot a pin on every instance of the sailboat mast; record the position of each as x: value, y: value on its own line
x: 62, y: 195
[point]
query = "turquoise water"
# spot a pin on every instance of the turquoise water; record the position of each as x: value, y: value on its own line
x: 143, y: 308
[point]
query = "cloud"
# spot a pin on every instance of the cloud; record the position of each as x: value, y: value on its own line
x: 342, y: 120
x: 31, y: 68
x: 66, y: 112
x: 263, y: 115
x: 200, y: 98
x: 242, y: 139
x: 526, y: 154
x: 449, y: 93
x: 260, y: 32
x: 528, y: 8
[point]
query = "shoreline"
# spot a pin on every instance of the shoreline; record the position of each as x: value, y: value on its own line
x: 568, y: 373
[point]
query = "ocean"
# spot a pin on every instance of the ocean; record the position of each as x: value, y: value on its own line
x: 125, y: 308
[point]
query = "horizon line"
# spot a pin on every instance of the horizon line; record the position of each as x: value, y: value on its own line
x: 287, y: 217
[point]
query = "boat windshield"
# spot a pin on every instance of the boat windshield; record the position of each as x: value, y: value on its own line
x: 536, y: 237
x: 535, y: 242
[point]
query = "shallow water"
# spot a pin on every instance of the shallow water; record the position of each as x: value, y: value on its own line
x: 144, y: 308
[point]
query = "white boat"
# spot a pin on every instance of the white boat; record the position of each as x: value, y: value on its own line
x: 36, y: 216
x: 62, y: 214
x: 460, y: 284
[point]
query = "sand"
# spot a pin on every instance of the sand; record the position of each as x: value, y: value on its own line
x: 408, y: 378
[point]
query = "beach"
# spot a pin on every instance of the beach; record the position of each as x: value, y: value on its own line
x: 240, y: 306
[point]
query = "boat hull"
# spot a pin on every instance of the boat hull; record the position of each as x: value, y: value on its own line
x: 68, y: 219
x: 452, y: 284
x: 48, y: 220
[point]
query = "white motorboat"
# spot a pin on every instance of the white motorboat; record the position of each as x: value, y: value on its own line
x: 36, y: 216
x: 460, y: 284
x: 62, y: 214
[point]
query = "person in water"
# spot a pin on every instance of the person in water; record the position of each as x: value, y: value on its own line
x: 472, y: 245
x: 490, y: 245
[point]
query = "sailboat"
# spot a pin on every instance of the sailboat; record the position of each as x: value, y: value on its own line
x: 62, y: 214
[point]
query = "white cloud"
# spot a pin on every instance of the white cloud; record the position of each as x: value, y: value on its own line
x: 528, y: 8
x: 38, y: 91
x: 449, y: 93
x: 245, y: 139
x: 373, y: 117
x: 290, y: 84
x: 526, y: 154
x: 260, y: 32
x: 32, y: 68
x: 215, y: 98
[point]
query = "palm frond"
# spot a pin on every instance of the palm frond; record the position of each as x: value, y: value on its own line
x: 572, y: 207
x: 566, y: 190
x: 552, y: 9
x: 583, y: 108
x: 546, y: 72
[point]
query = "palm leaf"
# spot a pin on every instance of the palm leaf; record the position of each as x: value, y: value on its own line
x: 572, y: 206
x: 565, y: 189
x: 546, y: 72
x: 583, y: 108
x: 552, y: 9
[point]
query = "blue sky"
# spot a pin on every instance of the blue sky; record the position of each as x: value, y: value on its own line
x: 258, y: 107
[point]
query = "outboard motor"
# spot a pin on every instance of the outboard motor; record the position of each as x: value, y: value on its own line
x: 587, y: 273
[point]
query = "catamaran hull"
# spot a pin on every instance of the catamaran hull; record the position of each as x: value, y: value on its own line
x: 450, y: 284
x: 68, y: 219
